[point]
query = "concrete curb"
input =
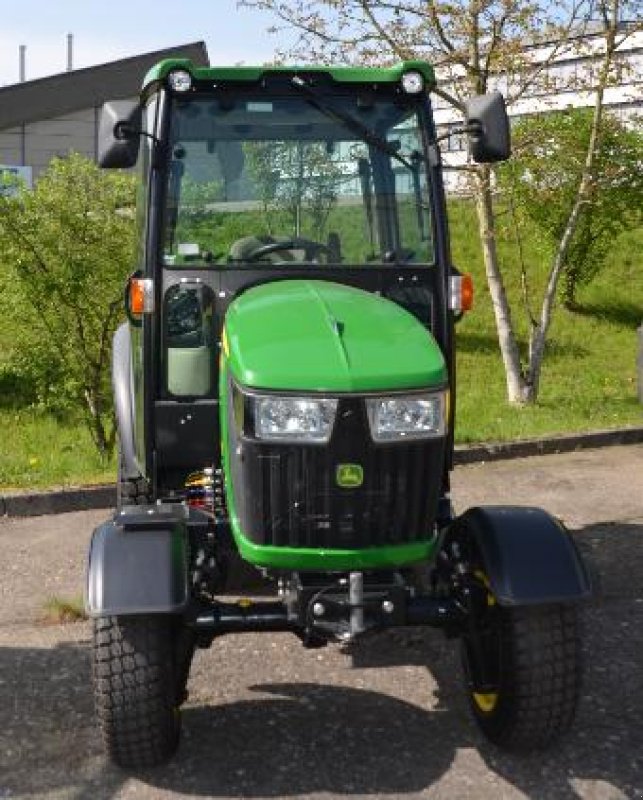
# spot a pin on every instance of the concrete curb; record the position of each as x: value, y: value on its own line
x: 93, y: 497
x: 523, y: 448
x: 35, y: 504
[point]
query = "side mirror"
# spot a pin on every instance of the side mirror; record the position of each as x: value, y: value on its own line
x: 119, y: 133
x: 489, y: 133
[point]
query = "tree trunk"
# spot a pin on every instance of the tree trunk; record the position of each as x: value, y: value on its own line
x: 517, y: 389
x: 539, y: 334
x: 570, y: 282
x: 96, y: 426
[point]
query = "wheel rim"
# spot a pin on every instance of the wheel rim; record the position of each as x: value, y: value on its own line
x: 484, y: 578
x: 485, y: 702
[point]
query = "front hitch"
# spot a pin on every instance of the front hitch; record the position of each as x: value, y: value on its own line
x: 341, y: 611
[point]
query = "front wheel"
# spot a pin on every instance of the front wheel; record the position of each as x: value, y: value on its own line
x: 138, y: 685
x: 523, y: 669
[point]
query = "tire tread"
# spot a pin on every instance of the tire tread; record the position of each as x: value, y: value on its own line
x: 134, y: 689
x: 540, y: 678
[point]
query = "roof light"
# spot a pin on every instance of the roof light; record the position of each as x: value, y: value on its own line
x: 413, y: 82
x: 180, y: 80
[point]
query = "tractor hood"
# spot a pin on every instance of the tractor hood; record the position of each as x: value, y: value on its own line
x: 320, y: 336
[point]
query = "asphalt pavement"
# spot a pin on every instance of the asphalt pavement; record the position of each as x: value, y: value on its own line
x: 386, y: 718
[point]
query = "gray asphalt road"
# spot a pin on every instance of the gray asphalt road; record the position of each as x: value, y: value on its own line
x: 388, y: 719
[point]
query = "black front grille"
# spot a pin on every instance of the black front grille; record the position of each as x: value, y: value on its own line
x: 287, y: 495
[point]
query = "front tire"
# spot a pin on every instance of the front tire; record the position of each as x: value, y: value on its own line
x: 530, y: 662
x: 137, y: 688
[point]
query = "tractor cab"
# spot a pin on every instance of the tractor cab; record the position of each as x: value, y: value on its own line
x: 252, y: 176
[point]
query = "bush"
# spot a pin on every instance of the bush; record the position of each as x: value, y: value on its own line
x: 66, y: 248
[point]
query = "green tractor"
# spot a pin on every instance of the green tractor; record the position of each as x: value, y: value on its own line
x: 285, y: 395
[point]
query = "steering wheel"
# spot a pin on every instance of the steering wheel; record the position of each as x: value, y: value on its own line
x: 309, y: 247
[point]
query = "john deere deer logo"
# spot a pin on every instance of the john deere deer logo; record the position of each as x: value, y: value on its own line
x: 349, y: 476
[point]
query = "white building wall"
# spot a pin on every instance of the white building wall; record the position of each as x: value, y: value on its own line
x: 36, y: 143
x: 11, y: 147
x: 58, y: 137
x: 566, y: 83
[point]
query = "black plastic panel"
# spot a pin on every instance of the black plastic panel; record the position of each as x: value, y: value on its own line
x: 528, y: 555
x: 187, y: 439
x: 137, y: 571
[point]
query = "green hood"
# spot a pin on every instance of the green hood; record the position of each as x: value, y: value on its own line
x: 320, y: 336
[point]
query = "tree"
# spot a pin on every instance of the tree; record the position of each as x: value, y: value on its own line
x: 66, y: 248
x: 478, y: 45
x: 611, y: 14
x: 295, y: 181
x: 542, y: 182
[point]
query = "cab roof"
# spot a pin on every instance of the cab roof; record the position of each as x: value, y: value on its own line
x: 391, y: 74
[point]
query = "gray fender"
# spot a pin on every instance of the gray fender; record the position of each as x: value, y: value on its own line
x: 137, y: 570
x: 124, y: 399
x: 529, y: 557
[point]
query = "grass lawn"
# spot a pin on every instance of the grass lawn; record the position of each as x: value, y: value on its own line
x: 589, y: 372
x: 39, y: 450
x: 588, y: 380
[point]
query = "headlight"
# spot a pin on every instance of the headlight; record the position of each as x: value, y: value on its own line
x: 417, y: 417
x: 297, y: 419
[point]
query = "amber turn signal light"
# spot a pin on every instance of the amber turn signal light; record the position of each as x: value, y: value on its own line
x: 461, y: 293
x: 141, y: 295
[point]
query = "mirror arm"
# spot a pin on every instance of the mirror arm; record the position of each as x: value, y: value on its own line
x: 123, y: 131
x: 473, y: 127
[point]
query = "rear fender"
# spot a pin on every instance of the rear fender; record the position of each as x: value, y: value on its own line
x: 138, y: 563
x: 528, y: 556
x: 124, y: 399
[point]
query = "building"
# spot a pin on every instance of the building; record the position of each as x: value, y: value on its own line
x: 53, y: 116
x: 565, y: 82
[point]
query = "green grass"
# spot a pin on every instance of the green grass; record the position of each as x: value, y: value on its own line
x: 589, y: 374
x: 588, y: 381
x: 39, y: 450
x: 59, y: 610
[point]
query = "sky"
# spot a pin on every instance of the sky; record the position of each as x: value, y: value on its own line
x: 105, y: 30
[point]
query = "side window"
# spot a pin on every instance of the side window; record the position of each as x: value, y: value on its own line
x: 189, y: 341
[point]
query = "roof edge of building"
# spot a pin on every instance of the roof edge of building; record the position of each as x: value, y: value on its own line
x: 66, y: 92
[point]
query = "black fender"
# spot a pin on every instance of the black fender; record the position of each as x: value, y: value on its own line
x: 124, y: 399
x: 138, y: 563
x: 528, y: 555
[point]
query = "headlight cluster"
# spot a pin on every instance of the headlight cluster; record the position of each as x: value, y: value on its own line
x: 406, y: 417
x: 294, y: 418
x: 309, y: 419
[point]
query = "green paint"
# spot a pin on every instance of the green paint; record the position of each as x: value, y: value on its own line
x: 318, y: 336
x: 349, y: 476
x: 304, y: 558
x: 252, y: 74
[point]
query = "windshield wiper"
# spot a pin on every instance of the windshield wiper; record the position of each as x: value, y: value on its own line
x: 354, y: 125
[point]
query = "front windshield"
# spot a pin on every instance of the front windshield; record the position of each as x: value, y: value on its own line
x: 279, y: 180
